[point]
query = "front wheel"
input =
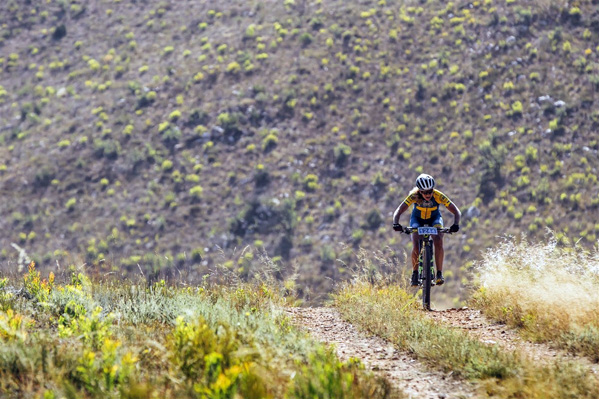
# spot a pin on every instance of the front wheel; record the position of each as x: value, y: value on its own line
x: 427, y: 277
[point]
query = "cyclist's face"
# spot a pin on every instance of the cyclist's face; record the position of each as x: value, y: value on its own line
x: 427, y: 193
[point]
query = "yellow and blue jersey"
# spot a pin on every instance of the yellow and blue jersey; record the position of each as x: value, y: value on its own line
x: 426, y: 210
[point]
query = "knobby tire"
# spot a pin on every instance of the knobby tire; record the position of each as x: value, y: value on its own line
x: 426, y: 276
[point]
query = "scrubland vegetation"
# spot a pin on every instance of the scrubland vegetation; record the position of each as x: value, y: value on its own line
x: 150, y: 134
x: 70, y: 335
x: 550, y: 293
x: 105, y: 339
x: 156, y: 142
x: 385, y: 308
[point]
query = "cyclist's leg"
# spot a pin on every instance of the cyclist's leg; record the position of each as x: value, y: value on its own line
x: 439, y: 251
x: 415, y: 222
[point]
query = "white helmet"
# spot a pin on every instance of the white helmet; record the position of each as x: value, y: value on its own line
x: 425, y: 182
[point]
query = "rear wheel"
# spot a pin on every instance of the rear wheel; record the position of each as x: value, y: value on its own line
x: 427, y: 277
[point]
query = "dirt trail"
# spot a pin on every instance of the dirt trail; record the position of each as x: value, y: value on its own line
x: 403, y: 371
x: 407, y: 373
x: 479, y: 326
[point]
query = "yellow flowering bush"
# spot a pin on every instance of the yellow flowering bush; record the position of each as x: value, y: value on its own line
x: 36, y: 286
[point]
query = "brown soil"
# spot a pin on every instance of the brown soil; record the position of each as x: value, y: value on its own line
x: 492, y: 333
x: 408, y: 374
x: 404, y: 372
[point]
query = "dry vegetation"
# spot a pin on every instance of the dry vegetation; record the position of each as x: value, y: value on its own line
x: 145, y: 135
x: 391, y: 312
x: 81, y: 338
x: 550, y: 293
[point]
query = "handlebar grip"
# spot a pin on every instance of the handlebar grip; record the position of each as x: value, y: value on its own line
x: 410, y: 230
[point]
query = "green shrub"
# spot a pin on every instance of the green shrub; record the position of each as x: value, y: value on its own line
x: 323, y: 376
x: 233, y: 68
x: 311, y: 182
x: 269, y: 142
x: 517, y: 109
x: 176, y: 114
x: 196, y: 254
x: 342, y: 153
x: 110, y: 149
x: 357, y: 235
x: 36, y: 286
x: 196, y: 192
x: 167, y: 165
x: 195, y: 348
x: 228, y: 121
x: 327, y: 254
x: 305, y: 39
x: 171, y: 136
x: 373, y: 219
x: 70, y: 204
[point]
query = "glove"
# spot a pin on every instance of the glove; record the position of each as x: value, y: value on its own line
x: 454, y: 228
x: 397, y: 227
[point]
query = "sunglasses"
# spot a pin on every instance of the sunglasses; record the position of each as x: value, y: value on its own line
x: 427, y: 192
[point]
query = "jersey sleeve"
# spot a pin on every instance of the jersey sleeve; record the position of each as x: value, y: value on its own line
x: 441, y: 198
x: 410, y: 199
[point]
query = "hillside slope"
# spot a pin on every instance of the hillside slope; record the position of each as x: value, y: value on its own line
x: 153, y: 133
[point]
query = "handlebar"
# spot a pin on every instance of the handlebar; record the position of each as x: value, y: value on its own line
x: 410, y: 230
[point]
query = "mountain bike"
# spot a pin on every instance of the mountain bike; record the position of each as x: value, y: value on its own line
x: 426, y: 266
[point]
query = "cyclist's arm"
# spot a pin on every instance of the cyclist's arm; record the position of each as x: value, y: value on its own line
x: 443, y: 199
x: 456, y: 213
x: 400, y: 209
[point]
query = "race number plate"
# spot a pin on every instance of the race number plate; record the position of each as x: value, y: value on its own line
x: 427, y: 230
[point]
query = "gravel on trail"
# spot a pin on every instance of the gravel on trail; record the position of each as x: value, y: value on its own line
x: 492, y: 333
x: 414, y: 378
x: 403, y: 371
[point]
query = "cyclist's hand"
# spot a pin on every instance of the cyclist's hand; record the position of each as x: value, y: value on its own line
x: 454, y: 228
x: 397, y: 227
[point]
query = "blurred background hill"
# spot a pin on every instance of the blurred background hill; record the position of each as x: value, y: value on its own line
x: 165, y: 137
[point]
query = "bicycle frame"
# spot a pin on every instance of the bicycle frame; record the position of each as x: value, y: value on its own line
x: 426, y: 266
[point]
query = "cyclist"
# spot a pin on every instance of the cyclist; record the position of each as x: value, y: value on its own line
x: 426, y: 211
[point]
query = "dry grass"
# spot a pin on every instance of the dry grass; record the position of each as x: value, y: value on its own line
x: 115, y: 339
x: 392, y: 313
x: 153, y: 133
x: 549, y: 291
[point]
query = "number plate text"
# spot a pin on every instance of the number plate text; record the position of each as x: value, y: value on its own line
x: 427, y: 230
